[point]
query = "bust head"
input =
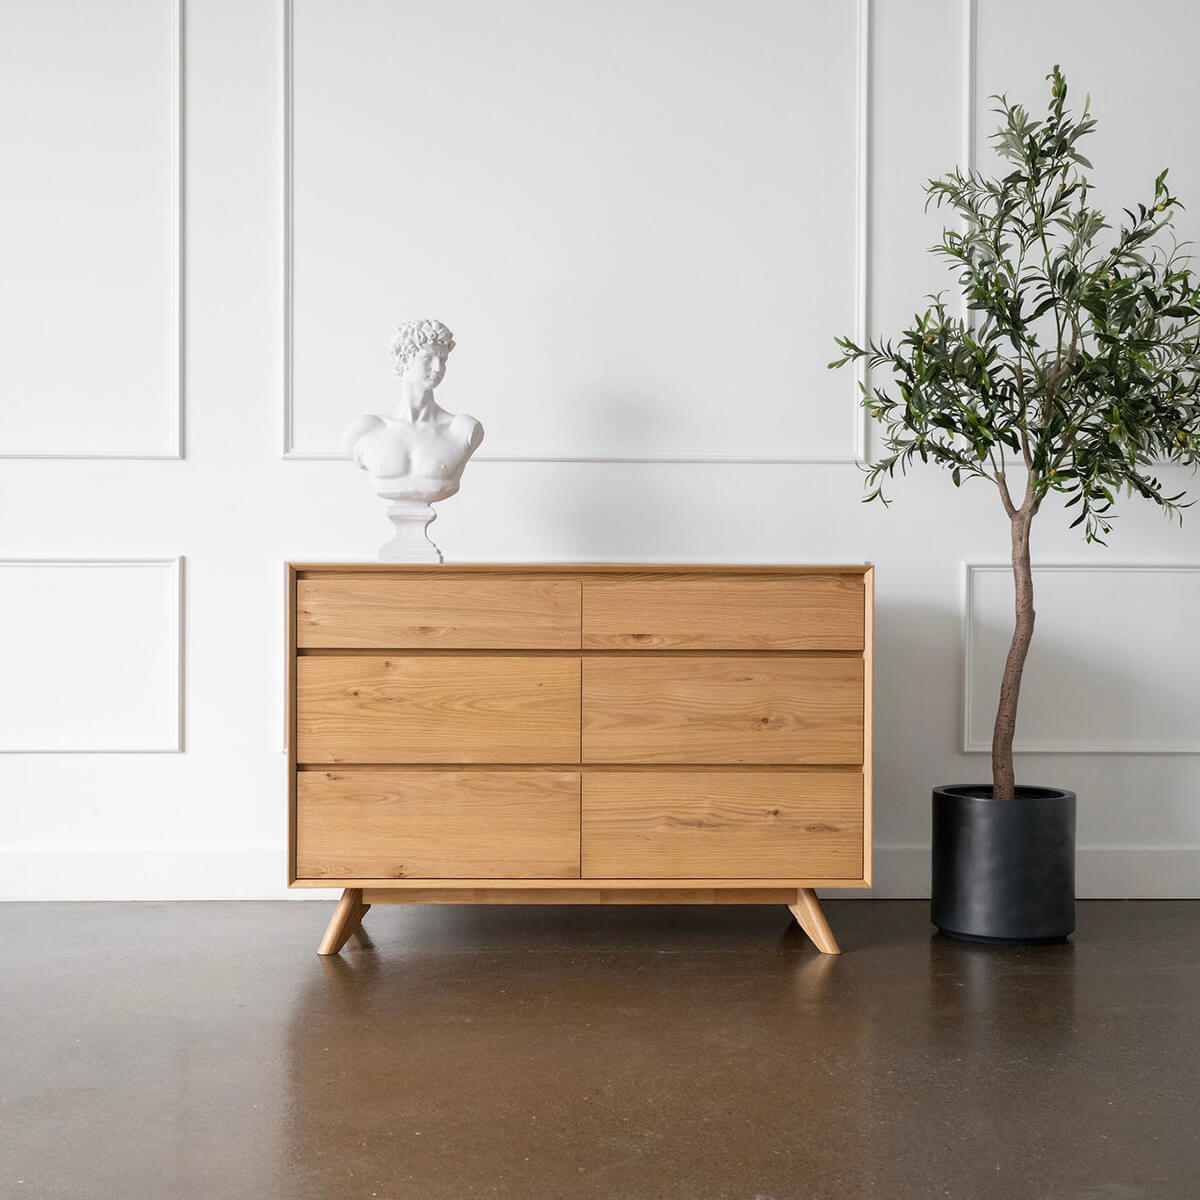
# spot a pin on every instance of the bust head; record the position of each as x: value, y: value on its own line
x: 421, y: 347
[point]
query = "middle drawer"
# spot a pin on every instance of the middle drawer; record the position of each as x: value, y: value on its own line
x: 755, y: 708
x: 471, y: 708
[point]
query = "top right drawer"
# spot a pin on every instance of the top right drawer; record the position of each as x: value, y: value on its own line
x: 716, y: 612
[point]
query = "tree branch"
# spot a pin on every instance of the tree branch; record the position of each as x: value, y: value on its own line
x: 1005, y: 495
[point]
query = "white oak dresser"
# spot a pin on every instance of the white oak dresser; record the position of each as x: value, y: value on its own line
x: 557, y: 734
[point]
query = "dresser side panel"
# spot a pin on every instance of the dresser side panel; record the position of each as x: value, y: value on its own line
x: 868, y: 726
x: 290, y: 715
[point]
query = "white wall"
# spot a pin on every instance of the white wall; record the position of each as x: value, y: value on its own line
x: 553, y: 359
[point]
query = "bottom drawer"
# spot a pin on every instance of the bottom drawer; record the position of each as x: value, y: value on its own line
x: 726, y: 824
x: 403, y: 824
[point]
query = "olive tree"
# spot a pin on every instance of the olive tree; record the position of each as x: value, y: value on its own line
x: 1076, y: 369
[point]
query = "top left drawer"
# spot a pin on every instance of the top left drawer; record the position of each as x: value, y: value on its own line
x: 437, y: 612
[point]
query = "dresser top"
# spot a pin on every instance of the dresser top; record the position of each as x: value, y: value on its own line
x: 570, y: 568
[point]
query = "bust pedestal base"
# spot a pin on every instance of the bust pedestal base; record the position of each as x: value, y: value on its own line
x: 411, y: 541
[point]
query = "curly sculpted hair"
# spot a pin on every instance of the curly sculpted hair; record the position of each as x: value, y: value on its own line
x: 416, y: 335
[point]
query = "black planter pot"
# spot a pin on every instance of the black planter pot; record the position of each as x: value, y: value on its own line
x: 1004, y: 870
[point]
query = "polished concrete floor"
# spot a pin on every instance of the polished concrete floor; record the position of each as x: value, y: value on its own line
x: 203, y: 1050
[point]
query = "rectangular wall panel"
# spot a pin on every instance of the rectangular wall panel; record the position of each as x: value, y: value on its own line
x: 91, y: 655
x: 1111, y: 668
x: 90, y: 229
x: 641, y: 221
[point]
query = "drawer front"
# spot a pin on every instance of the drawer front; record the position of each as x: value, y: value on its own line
x: 402, y: 612
x: 722, y: 825
x: 437, y: 709
x: 397, y: 824
x: 737, y: 709
x: 804, y: 612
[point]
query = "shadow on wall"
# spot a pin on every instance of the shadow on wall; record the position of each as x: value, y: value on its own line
x: 615, y: 506
x: 918, y: 668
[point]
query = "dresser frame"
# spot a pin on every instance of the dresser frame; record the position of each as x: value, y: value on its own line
x: 797, y: 892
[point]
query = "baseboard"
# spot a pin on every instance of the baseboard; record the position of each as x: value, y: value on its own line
x: 170, y: 873
x: 257, y: 872
x: 901, y: 873
x: 1101, y: 873
x: 1138, y: 873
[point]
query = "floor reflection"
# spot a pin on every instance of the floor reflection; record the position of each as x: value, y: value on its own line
x: 676, y: 1054
x: 551, y: 1053
x: 658, y: 1044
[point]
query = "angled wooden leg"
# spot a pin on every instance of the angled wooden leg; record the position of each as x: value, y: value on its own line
x: 349, y: 912
x: 807, y: 910
x: 356, y: 920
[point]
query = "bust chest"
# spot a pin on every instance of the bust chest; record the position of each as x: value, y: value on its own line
x: 398, y: 450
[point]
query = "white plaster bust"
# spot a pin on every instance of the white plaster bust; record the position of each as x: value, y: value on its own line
x: 416, y: 455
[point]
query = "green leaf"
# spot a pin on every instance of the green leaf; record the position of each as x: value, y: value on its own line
x: 1085, y: 351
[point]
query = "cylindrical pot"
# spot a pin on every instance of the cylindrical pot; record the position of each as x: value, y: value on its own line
x: 1004, y: 870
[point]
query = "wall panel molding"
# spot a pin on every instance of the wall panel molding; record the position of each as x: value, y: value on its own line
x: 171, y: 739
x: 976, y: 728
x: 858, y: 452
x: 174, y: 447
x: 969, y: 72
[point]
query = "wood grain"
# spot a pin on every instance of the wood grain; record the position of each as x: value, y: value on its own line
x: 717, y: 612
x: 458, y: 883
x: 548, y: 570
x: 728, y: 724
x: 396, y: 824
x: 591, y: 895
x: 740, y: 823
x: 748, y: 709
x: 395, y: 612
x: 429, y: 708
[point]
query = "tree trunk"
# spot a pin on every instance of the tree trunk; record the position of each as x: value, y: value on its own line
x: 1003, y: 782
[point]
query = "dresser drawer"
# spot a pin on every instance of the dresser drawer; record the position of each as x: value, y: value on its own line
x: 711, y: 612
x: 412, y: 824
x: 724, y: 824
x: 469, y: 612
x: 431, y: 708
x: 754, y: 708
